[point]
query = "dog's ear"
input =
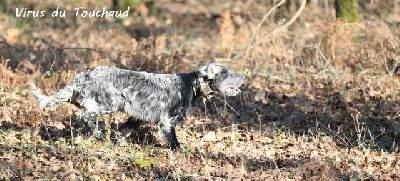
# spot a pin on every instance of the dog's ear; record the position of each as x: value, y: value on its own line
x: 208, y: 70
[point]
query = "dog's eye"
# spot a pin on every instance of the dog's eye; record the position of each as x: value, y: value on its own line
x: 224, y: 71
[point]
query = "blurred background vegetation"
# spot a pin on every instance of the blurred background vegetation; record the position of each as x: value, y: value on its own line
x: 321, y: 99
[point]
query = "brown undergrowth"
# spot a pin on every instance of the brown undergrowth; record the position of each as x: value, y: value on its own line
x: 320, y: 101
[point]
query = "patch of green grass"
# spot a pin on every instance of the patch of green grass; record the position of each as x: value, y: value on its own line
x: 216, y: 123
x: 359, y: 39
x: 253, y: 166
x: 226, y: 142
x: 61, y: 143
x: 282, y: 135
x: 105, y: 176
x: 26, y: 134
x: 2, y: 138
x: 186, y: 175
x: 85, y: 174
x: 29, y: 149
x: 329, y: 83
x: 187, y: 151
x: 355, y: 161
x: 224, y: 113
x: 24, y: 25
x: 268, y: 72
x: 6, y: 101
x: 2, y: 7
x: 24, y: 92
x: 190, y: 132
x: 5, y: 133
x: 127, y: 161
x: 145, y: 162
x: 124, y: 4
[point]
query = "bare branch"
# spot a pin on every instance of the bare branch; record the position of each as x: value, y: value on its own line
x: 266, y: 36
x: 261, y: 22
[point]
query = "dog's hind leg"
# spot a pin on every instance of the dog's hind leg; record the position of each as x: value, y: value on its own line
x: 88, y: 118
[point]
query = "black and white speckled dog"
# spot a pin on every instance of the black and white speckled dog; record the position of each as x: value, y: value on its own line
x: 162, y: 99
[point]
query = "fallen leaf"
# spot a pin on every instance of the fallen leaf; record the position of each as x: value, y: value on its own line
x: 210, y: 136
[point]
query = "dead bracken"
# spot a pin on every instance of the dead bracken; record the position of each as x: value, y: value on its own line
x: 320, y: 100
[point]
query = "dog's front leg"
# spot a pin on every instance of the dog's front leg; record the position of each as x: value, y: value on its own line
x: 166, y: 130
x: 88, y: 118
x: 123, y: 131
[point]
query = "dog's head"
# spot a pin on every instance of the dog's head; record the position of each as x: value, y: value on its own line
x: 221, y: 79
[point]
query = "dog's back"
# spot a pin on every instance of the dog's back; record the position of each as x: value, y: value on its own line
x: 144, y: 95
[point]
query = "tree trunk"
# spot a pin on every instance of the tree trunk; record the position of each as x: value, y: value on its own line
x: 347, y: 10
x: 123, y: 4
x: 3, y: 7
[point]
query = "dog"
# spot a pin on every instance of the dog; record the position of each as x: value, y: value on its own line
x: 161, y: 99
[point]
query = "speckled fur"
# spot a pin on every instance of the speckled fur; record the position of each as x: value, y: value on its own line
x: 162, y: 99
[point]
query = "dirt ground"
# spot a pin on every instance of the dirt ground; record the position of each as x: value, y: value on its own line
x: 321, y: 99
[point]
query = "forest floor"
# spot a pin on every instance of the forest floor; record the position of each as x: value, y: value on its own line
x: 321, y: 99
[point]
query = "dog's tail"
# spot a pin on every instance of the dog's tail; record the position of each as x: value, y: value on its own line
x: 51, y: 102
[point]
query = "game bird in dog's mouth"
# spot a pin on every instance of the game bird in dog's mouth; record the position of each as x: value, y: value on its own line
x: 162, y: 99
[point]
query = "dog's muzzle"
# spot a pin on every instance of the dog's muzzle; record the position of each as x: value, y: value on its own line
x: 230, y: 86
x: 232, y: 91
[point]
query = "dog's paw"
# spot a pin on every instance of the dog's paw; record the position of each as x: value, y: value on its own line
x: 99, y: 135
x: 174, y: 146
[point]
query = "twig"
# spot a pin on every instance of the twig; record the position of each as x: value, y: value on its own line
x: 72, y: 133
x: 54, y: 60
x: 266, y: 36
x: 283, y: 26
x: 259, y: 120
x: 261, y: 22
x: 44, y: 55
x: 47, y: 131
x: 225, y: 103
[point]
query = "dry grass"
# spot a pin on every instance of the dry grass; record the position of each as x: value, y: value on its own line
x: 321, y: 101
